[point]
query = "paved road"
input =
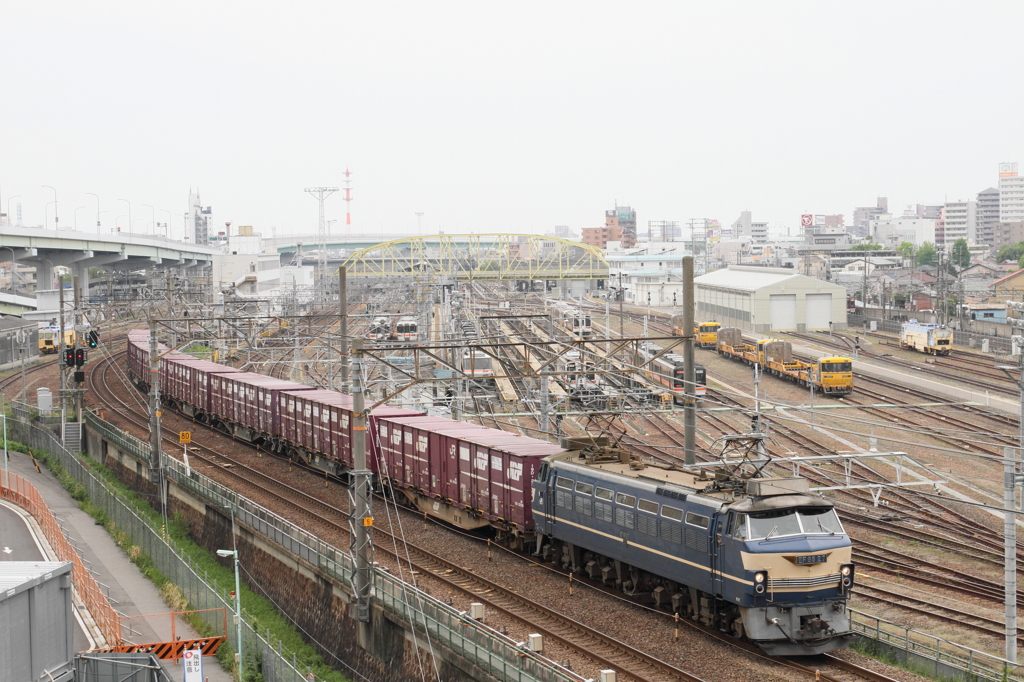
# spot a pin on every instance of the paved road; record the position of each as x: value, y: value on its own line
x: 132, y: 593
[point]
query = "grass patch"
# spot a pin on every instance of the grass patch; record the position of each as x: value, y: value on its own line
x: 259, y: 612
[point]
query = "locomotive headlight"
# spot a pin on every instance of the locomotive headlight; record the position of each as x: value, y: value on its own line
x: 760, y: 578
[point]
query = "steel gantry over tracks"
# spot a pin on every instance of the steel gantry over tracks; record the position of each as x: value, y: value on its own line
x: 484, y: 257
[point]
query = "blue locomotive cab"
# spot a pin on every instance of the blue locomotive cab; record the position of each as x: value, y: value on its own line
x: 792, y: 558
x: 761, y: 559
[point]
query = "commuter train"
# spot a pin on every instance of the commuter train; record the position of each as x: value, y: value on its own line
x: 830, y: 375
x: 406, y: 329
x: 705, y: 334
x: 380, y: 329
x: 477, y: 364
x: 760, y: 558
x: 572, y: 320
x: 934, y: 339
x: 669, y: 370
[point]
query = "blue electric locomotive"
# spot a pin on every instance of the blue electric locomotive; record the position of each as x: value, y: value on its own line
x: 761, y: 559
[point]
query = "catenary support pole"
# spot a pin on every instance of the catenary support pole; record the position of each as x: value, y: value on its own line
x: 1010, y: 552
x: 156, y: 474
x: 689, y: 371
x: 343, y: 344
x: 361, y: 518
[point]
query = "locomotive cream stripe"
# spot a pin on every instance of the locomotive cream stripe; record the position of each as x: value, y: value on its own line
x: 778, y: 567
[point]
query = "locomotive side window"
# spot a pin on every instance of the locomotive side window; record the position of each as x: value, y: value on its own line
x: 648, y: 506
x: 584, y: 488
x: 626, y: 500
x: 697, y: 520
x: 604, y: 494
x: 672, y: 513
x: 564, y: 483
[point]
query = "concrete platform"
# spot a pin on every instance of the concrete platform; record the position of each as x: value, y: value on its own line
x: 135, y: 595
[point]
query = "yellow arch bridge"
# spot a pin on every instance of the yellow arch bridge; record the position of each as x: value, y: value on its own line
x: 469, y: 257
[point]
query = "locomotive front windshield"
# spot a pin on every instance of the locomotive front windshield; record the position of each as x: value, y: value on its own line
x: 837, y: 367
x: 777, y: 523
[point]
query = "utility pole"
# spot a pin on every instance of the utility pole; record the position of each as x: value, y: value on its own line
x: 343, y: 344
x: 1010, y: 480
x: 360, y: 513
x: 156, y: 465
x: 321, y: 194
x: 622, y: 295
x: 689, y: 371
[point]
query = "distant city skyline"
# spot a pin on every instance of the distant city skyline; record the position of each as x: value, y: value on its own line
x: 490, y: 119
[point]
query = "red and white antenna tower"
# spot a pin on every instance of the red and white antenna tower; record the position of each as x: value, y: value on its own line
x: 348, y: 198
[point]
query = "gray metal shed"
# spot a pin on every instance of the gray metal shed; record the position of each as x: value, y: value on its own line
x: 36, y: 621
x: 769, y: 299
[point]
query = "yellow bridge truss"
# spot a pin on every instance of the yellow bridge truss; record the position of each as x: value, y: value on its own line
x: 480, y: 257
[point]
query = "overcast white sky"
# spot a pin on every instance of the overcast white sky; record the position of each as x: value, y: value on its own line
x: 493, y: 116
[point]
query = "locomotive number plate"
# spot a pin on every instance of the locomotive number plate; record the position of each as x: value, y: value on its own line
x: 812, y: 559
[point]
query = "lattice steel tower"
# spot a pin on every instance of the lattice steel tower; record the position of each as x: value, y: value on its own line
x: 321, y: 194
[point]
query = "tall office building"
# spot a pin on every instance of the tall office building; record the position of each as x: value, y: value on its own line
x: 1011, y: 194
x: 200, y: 217
x: 987, y: 215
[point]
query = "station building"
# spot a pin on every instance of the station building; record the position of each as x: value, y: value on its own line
x: 769, y: 299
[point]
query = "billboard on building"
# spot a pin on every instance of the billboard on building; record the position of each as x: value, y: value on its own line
x: 806, y: 220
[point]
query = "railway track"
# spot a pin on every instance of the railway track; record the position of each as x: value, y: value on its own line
x: 603, y: 649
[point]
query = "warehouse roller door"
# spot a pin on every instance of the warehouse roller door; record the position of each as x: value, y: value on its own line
x: 782, y: 308
x: 819, y: 311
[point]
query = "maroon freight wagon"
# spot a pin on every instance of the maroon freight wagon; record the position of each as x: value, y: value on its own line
x: 186, y: 381
x: 316, y: 427
x: 248, y: 404
x: 476, y: 476
x: 410, y: 460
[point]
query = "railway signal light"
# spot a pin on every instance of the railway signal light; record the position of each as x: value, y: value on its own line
x: 69, y: 357
x: 94, y: 339
x: 80, y: 357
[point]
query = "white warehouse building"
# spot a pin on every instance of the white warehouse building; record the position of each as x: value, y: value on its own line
x: 769, y: 299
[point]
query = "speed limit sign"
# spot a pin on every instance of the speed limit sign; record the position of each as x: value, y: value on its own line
x: 184, y: 436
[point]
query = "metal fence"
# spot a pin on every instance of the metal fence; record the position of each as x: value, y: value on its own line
x: 22, y: 493
x: 474, y: 641
x: 963, y: 339
x: 277, y: 664
x: 943, y: 654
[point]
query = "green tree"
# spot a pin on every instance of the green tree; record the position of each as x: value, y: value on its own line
x: 866, y: 247
x: 926, y: 254
x: 961, y: 254
x: 1010, y: 252
x: 906, y: 249
x: 1020, y: 263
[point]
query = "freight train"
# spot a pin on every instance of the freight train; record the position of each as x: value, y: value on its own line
x: 934, y: 339
x: 705, y: 334
x: 763, y: 559
x: 831, y: 375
